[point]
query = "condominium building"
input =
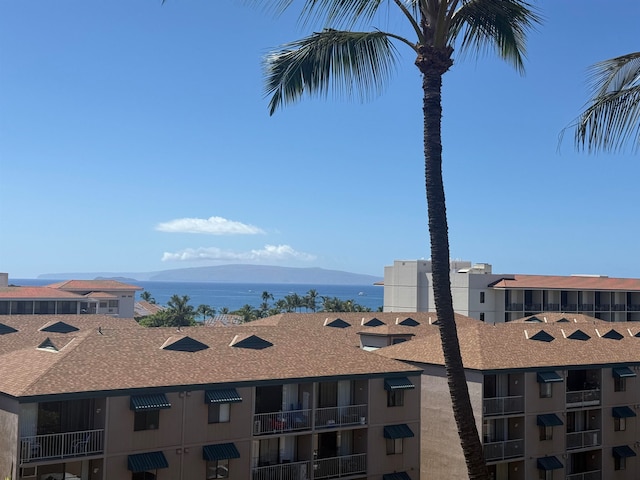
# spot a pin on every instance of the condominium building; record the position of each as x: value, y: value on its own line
x: 104, y: 398
x: 490, y: 297
x: 107, y: 297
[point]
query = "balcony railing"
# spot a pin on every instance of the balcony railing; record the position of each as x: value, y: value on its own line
x: 583, y: 398
x: 603, y: 307
x: 551, y: 307
x: 586, y: 438
x: 518, y: 307
x: 284, y: 471
x: 619, y: 307
x: 289, y: 421
x: 503, y: 405
x: 533, y: 307
x: 592, y: 475
x: 61, y: 445
x: 503, y: 450
x: 337, y: 467
x: 585, y: 307
x: 569, y: 307
x: 341, y: 416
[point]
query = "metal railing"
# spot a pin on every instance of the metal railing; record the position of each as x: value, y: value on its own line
x: 503, y: 450
x: 583, y: 398
x: 61, y: 445
x: 503, y: 405
x: 342, y: 466
x: 341, y: 416
x: 283, y: 471
x: 592, y: 475
x: 586, y: 438
x: 289, y: 421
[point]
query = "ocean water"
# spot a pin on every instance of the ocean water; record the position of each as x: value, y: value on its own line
x: 235, y: 295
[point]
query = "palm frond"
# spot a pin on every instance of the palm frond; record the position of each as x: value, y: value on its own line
x: 612, y: 117
x: 346, y: 62
x: 501, y: 25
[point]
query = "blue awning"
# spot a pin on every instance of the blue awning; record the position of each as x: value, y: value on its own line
x: 623, y: 451
x: 398, y: 431
x: 400, y: 383
x: 549, y: 377
x: 549, y: 420
x: 549, y: 463
x: 156, y: 401
x: 623, y: 412
x: 224, y: 395
x: 396, y: 476
x: 143, y: 462
x: 221, y: 451
x: 622, y: 372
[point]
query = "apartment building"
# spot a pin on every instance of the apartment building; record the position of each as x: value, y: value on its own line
x: 555, y: 397
x: 106, y: 399
x: 483, y: 295
x: 108, y: 297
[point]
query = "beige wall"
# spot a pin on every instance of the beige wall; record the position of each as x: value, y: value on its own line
x: 9, y: 441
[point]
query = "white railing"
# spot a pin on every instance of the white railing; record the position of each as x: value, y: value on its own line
x: 503, y: 405
x: 61, y: 445
x: 503, y: 450
x: 284, y: 471
x: 583, y: 398
x: 337, y: 467
x: 592, y: 475
x: 341, y: 416
x: 289, y: 421
x: 586, y: 438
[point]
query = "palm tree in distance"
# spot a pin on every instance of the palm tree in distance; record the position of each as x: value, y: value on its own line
x: 205, y: 311
x: 346, y: 60
x: 147, y: 297
x: 612, y: 116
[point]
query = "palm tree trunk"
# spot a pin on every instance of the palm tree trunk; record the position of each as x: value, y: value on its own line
x: 438, y: 231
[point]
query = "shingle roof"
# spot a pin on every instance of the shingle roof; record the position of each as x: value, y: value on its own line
x: 93, y: 285
x: 573, y: 282
x: 37, y: 293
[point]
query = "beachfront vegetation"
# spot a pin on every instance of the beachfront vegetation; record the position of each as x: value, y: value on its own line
x: 177, y: 314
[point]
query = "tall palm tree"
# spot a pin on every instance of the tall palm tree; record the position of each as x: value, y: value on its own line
x: 205, y: 311
x: 179, y: 307
x: 147, y: 297
x: 612, y: 116
x: 354, y: 61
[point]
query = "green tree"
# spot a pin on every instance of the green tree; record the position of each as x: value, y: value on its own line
x: 348, y: 60
x: 311, y: 299
x: 205, y: 311
x: 247, y: 312
x: 183, y: 313
x: 264, y: 306
x: 146, y: 296
x: 612, y: 116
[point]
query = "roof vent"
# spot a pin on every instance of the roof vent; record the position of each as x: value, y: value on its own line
x: 336, y: 323
x: 579, y: 335
x: 533, y: 318
x: 184, y: 344
x: 48, y: 345
x: 542, y: 336
x: 4, y: 329
x: 563, y: 320
x: 252, y: 342
x: 407, y: 322
x: 373, y: 322
x: 59, y: 327
x: 613, y: 335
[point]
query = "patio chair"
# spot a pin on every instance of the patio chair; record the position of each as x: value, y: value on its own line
x: 80, y: 446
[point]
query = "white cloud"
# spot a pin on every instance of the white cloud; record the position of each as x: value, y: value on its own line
x: 266, y: 254
x: 210, y: 226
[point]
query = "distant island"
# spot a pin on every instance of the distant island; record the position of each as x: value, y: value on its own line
x: 229, y: 274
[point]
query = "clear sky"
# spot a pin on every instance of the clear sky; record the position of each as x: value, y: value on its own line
x: 135, y: 137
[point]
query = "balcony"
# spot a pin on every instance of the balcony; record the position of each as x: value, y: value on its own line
x: 341, y: 416
x: 585, y: 307
x: 278, y: 422
x: 619, y: 307
x: 592, y: 475
x: 604, y: 307
x: 514, y: 307
x: 533, y: 307
x: 284, y: 471
x: 586, y: 438
x: 583, y: 398
x: 569, y: 307
x: 338, y: 467
x: 61, y: 445
x: 551, y: 307
x: 508, y: 449
x: 503, y: 405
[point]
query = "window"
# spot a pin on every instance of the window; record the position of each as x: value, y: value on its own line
x: 219, y: 412
x: 113, y: 303
x: 619, y: 424
x: 546, y: 390
x: 146, y: 420
x: 394, y: 446
x: 619, y: 463
x: 218, y: 469
x: 619, y: 384
x: 481, y: 297
x: 143, y: 476
x: 482, y: 316
x: 395, y: 398
x: 103, y: 304
x: 545, y: 475
x: 546, y: 432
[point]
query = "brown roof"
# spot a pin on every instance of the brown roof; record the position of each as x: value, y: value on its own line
x: 36, y: 293
x: 574, y: 282
x: 93, y: 285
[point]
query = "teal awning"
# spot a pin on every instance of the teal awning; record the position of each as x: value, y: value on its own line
x: 549, y: 420
x: 400, y: 383
x: 622, y: 412
x: 156, y: 401
x: 143, y: 462
x: 221, y: 451
x: 398, y: 431
x: 623, y: 451
x: 225, y: 395
x: 549, y: 463
x: 396, y: 476
x: 623, y: 372
x: 549, y: 377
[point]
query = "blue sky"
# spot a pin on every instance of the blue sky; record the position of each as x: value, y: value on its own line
x: 135, y: 137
